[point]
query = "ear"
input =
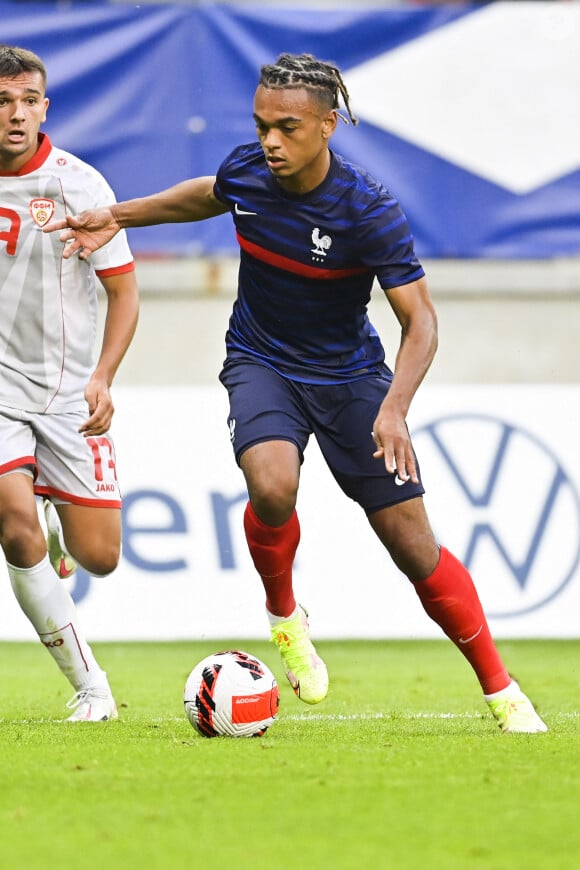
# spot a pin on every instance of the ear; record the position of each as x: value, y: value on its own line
x: 329, y: 124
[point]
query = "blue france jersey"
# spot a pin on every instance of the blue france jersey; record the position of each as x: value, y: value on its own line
x: 307, y: 265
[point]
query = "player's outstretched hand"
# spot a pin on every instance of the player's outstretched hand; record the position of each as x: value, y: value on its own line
x: 85, y: 232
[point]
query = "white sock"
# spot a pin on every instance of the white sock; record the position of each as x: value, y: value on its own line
x: 508, y: 692
x: 275, y: 620
x: 51, y: 610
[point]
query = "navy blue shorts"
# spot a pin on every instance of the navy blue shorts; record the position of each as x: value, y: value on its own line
x: 264, y: 406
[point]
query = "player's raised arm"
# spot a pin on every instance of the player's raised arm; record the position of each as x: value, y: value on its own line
x: 191, y: 200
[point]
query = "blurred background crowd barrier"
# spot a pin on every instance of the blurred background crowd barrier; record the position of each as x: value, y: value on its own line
x: 468, y: 112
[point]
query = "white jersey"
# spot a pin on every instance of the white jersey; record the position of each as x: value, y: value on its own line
x: 48, y: 305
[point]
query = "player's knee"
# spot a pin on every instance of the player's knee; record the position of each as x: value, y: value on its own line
x: 20, y: 536
x: 102, y: 561
x: 274, y: 505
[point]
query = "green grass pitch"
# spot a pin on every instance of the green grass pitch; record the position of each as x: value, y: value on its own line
x: 401, y: 767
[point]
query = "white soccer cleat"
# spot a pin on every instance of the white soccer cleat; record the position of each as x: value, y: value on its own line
x: 92, y: 705
x: 514, y: 712
x: 61, y: 561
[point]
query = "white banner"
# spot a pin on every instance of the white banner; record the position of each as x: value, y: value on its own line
x: 501, y: 468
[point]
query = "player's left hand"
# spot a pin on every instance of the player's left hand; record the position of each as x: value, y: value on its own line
x: 393, y: 445
x: 101, y: 408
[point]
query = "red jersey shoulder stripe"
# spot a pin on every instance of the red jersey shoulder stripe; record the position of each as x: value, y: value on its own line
x: 294, y: 266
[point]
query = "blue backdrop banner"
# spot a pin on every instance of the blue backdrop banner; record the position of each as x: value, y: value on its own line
x: 468, y: 113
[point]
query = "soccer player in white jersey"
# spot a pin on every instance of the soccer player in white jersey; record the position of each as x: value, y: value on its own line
x: 55, y: 403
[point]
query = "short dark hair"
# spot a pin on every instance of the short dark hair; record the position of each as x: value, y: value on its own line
x: 14, y: 60
x: 306, y: 71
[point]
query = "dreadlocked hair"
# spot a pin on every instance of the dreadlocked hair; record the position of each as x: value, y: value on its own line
x: 306, y: 71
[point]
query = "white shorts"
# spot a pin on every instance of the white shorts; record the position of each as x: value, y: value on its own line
x: 67, y: 466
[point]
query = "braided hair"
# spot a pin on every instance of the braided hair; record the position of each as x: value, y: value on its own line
x: 306, y: 71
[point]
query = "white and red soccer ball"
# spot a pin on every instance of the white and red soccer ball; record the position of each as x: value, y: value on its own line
x: 231, y: 694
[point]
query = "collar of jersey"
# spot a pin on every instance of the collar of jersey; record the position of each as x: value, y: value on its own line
x: 312, y: 194
x: 37, y: 159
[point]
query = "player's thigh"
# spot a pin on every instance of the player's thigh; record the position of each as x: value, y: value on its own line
x: 272, y: 473
x: 264, y: 407
x: 17, y: 496
x: 21, y: 535
x: 93, y: 535
x: 20, y: 531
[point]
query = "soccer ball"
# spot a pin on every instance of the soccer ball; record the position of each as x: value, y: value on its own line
x: 231, y: 694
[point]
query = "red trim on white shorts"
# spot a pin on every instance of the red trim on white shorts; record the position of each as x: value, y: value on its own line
x: 77, y: 499
x: 23, y: 461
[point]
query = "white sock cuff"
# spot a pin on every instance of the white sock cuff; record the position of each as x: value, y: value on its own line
x: 508, y: 692
x: 276, y: 620
x: 15, y: 571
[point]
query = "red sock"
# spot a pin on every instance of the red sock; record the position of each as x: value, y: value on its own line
x: 451, y: 600
x: 272, y: 549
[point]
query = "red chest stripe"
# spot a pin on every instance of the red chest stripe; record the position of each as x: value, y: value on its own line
x: 293, y: 266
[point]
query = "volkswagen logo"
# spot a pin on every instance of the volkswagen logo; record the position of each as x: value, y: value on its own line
x: 503, y: 503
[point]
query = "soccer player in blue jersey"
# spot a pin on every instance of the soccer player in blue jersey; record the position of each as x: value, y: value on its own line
x: 302, y: 358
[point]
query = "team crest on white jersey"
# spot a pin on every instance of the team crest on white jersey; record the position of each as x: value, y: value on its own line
x: 41, y: 210
x: 321, y: 244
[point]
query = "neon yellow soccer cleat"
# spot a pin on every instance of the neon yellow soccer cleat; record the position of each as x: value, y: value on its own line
x: 515, y: 714
x: 305, y: 670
